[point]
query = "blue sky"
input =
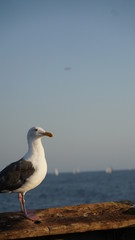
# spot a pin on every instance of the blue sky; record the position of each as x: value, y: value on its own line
x: 68, y: 66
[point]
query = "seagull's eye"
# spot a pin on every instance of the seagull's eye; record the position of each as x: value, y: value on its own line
x: 35, y: 129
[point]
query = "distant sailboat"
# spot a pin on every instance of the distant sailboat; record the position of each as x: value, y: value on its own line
x: 56, y: 172
x: 108, y: 170
x: 76, y: 170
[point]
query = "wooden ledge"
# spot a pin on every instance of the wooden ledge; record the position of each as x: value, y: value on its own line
x: 68, y: 220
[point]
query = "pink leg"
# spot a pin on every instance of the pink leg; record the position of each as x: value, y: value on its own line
x: 30, y: 215
x: 20, y: 200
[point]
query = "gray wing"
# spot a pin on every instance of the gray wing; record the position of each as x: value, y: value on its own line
x: 15, y: 175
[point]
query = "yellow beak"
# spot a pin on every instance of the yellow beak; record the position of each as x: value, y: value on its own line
x: 48, y: 134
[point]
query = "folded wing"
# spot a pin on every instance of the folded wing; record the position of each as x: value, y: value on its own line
x: 15, y: 175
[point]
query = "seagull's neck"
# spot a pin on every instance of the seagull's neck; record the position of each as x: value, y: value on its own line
x: 35, y: 148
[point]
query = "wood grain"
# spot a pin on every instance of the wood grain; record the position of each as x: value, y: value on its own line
x: 67, y: 220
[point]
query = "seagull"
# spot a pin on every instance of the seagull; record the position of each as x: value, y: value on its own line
x: 27, y: 173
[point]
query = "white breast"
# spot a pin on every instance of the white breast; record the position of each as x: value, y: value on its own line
x: 36, y: 156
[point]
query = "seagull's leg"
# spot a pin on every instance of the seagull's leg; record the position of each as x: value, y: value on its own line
x: 20, y: 200
x: 30, y: 215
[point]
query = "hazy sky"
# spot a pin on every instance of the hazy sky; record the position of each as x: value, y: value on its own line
x: 69, y: 66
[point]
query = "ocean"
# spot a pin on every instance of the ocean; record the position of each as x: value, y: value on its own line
x: 73, y: 189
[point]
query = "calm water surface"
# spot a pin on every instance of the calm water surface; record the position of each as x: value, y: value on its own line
x: 71, y: 189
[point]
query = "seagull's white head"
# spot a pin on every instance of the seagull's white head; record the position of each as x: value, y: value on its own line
x: 37, y: 132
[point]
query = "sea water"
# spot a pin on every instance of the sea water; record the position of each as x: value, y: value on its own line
x: 73, y: 189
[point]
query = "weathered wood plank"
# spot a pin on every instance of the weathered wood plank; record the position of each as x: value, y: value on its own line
x: 67, y: 220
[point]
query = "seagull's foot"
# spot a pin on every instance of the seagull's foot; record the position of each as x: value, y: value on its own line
x: 31, y: 216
